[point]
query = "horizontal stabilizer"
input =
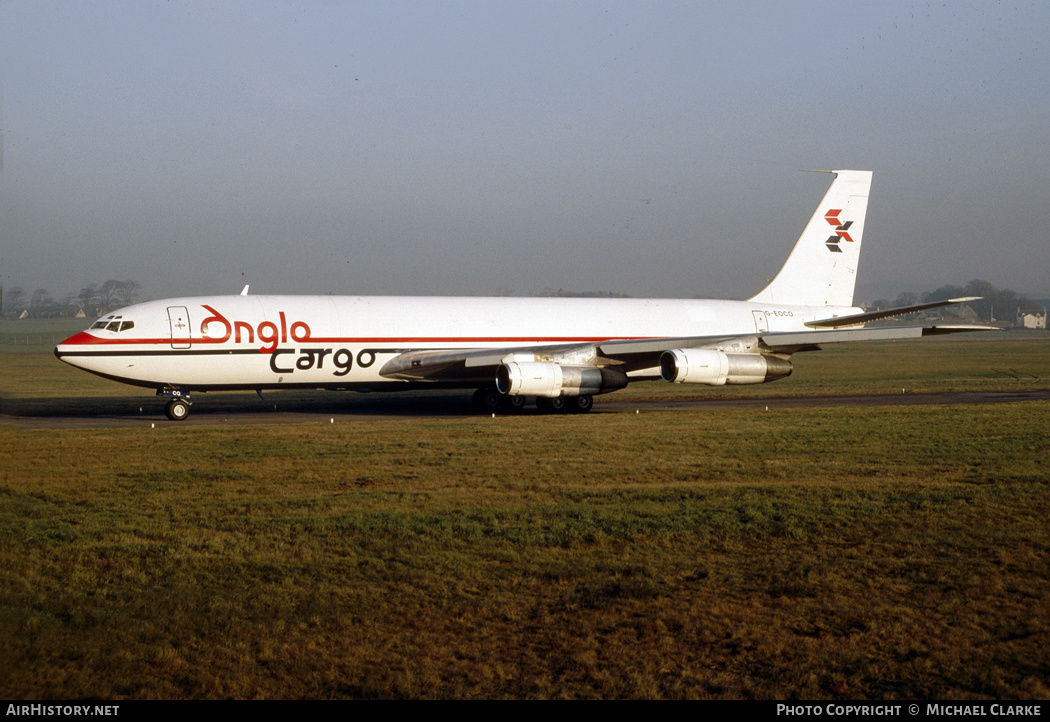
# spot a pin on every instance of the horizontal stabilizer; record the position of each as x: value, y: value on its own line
x: 857, y: 318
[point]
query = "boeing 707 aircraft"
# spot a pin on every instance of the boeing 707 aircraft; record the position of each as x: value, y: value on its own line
x: 560, y: 351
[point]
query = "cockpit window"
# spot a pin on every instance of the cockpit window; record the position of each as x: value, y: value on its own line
x: 113, y: 323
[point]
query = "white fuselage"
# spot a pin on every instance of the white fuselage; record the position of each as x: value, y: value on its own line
x: 343, y: 341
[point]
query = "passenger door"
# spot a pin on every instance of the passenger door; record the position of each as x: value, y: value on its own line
x: 179, y: 320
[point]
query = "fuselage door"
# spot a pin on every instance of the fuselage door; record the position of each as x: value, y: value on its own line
x: 761, y: 325
x: 179, y: 320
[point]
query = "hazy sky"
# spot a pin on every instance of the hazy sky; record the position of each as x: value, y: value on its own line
x: 648, y: 148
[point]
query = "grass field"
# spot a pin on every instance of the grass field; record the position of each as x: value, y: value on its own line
x: 830, y: 553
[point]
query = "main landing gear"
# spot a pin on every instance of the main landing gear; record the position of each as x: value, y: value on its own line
x: 492, y: 401
x: 565, y: 404
x: 179, y: 407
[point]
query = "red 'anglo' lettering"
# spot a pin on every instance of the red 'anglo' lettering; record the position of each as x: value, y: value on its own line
x: 268, y: 332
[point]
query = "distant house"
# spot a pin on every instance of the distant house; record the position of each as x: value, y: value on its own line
x: 967, y: 314
x: 1031, y: 320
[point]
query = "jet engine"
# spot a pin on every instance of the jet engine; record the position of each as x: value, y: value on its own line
x: 717, y: 368
x: 550, y: 380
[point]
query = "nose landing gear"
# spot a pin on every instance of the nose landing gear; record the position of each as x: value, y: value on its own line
x: 178, y: 408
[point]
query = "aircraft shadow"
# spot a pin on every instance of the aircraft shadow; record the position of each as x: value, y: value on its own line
x: 296, y: 406
x: 423, y: 403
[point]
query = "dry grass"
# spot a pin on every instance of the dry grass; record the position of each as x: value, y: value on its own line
x: 856, y: 553
x: 833, y: 553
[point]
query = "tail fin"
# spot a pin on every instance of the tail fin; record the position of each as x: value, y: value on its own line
x: 822, y: 269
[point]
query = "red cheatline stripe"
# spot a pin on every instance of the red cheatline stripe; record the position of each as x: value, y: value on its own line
x: 86, y: 339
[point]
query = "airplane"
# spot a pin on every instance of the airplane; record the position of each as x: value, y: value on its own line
x: 559, y: 351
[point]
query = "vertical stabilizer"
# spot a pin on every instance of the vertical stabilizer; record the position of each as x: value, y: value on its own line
x: 822, y: 268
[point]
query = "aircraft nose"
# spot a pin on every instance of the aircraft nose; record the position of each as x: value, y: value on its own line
x: 71, y: 344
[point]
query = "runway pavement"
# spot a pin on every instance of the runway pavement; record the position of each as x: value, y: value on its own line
x: 355, y: 408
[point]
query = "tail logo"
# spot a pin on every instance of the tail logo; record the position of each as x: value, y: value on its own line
x: 841, y: 231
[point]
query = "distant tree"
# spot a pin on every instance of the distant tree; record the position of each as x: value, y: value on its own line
x: 40, y: 298
x: 1026, y: 306
x: 126, y: 292
x: 977, y: 287
x: 906, y: 299
x: 42, y: 305
x: 109, y: 295
x: 994, y: 302
x: 944, y: 293
x: 89, y: 300
x: 14, y: 301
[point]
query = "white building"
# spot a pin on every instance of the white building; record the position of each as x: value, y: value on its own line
x: 1031, y: 320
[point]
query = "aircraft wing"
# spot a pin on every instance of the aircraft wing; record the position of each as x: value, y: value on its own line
x: 465, y: 364
x: 637, y: 354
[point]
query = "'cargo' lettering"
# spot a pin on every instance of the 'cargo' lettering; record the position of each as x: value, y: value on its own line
x: 310, y: 358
